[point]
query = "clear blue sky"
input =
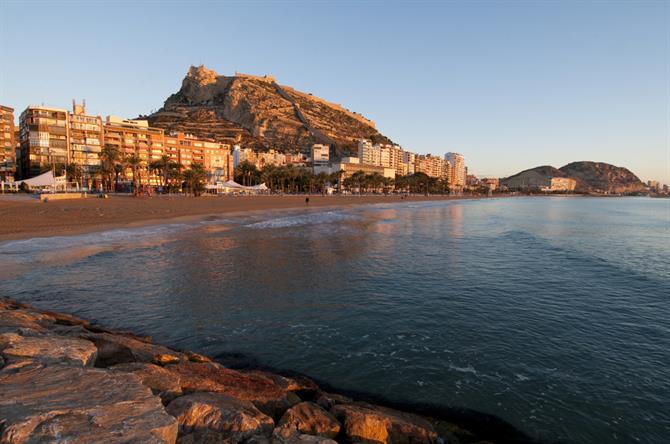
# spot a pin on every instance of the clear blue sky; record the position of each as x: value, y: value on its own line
x: 511, y: 85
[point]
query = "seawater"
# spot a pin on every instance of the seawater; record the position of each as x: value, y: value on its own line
x: 551, y: 313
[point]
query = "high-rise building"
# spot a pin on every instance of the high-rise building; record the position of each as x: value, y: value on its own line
x: 187, y: 150
x: 43, y: 139
x: 369, y: 154
x: 85, y: 140
x: 135, y: 137
x: 432, y: 166
x: 7, y: 144
x: 409, y: 159
x: 458, y: 174
x: 320, y: 155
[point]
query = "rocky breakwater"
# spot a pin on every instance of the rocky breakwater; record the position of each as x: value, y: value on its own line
x: 65, y: 380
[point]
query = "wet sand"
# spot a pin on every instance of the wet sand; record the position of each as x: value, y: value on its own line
x: 23, y: 217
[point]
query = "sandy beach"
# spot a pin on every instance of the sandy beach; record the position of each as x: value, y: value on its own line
x: 26, y: 217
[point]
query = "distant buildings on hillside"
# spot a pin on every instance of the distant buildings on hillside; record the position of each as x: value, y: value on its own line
x: 48, y: 136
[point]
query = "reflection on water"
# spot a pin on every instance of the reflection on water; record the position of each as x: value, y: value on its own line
x: 551, y: 313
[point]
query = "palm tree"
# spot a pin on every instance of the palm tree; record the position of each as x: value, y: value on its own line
x: 195, y: 178
x: 134, y: 162
x: 74, y: 173
x: 110, y: 158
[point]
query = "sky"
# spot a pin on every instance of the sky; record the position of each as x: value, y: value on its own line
x: 509, y: 84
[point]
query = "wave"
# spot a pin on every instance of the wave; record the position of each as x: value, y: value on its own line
x: 326, y: 217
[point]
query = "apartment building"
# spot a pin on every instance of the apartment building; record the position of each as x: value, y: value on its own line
x: 7, y: 144
x: 409, y: 159
x: 135, y: 137
x: 369, y: 154
x: 432, y: 166
x: 320, y: 155
x: 85, y: 139
x: 187, y: 150
x: 43, y: 133
x: 458, y: 173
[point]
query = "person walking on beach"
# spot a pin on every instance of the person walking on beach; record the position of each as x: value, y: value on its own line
x: 307, y: 201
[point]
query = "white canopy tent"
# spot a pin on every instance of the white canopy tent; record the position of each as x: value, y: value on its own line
x: 231, y: 186
x: 44, y: 180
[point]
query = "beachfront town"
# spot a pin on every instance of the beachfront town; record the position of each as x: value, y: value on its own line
x: 56, y: 149
x: 119, y: 154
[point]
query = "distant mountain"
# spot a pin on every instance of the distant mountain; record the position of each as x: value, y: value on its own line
x: 260, y: 113
x: 591, y: 177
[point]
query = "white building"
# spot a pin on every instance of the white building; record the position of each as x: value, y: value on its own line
x: 369, y: 154
x: 320, y: 155
x: 458, y: 174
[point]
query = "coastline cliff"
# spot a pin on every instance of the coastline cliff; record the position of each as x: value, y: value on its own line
x: 63, y: 379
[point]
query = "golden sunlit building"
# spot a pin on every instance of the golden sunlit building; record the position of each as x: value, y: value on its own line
x: 43, y: 139
x: 135, y: 137
x: 7, y: 144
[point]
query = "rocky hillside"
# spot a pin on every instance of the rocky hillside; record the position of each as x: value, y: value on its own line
x: 591, y: 177
x: 65, y: 380
x: 537, y: 177
x: 259, y: 112
x: 600, y: 177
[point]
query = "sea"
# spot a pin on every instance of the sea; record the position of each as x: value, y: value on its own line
x: 550, y: 313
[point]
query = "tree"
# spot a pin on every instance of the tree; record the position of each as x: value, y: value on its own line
x: 109, y: 163
x: 134, y: 162
x: 195, y: 179
x: 247, y: 174
x: 161, y: 167
x: 74, y: 173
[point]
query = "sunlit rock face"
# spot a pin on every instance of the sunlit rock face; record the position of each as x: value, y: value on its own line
x: 258, y: 112
x: 590, y: 177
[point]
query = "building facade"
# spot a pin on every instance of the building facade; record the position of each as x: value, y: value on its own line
x: 432, y: 166
x: 369, y: 154
x: 320, y: 155
x: 457, y: 176
x: 43, y: 133
x: 7, y: 144
x: 85, y: 140
x: 135, y: 137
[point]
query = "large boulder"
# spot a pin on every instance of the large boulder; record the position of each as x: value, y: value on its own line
x: 12, y: 321
x: 80, y: 405
x: 119, y: 349
x: 365, y: 423
x: 310, y: 419
x: 207, y: 413
x: 48, y: 349
x: 329, y: 400
x: 284, y: 436
x: 266, y: 395
x: 162, y: 382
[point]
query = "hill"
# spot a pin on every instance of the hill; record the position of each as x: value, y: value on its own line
x: 260, y: 113
x: 591, y: 177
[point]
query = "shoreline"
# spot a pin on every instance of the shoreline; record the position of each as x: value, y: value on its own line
x: 27, y: 218
x: 42, y: 352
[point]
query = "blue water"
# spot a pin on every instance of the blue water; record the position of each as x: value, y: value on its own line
x: 551, y: 313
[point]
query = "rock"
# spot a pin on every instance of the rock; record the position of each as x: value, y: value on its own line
x: 283, y: 436
x: 266, y: 395
x: 216, y: 412
x: 162, y: 382
x: 80, y: 404
x: 328, y: 400
x: 310, y: 419
x: 364, y: 423
x: 118, y: 349
x: 48, y: 349
x: 196, y: 357
x: 11, y: 321
x: 259, y: 113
